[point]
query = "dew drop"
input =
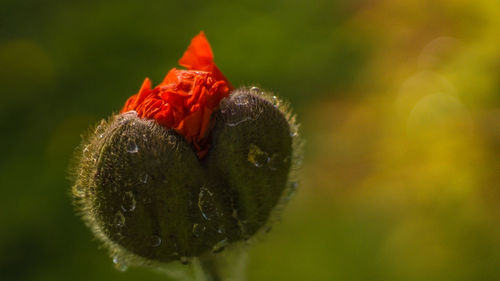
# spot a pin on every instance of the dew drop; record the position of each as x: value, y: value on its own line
x: 205, y: 202
x: 171, y: 139
x: 132, y: 147
x: 198, y: 230
x: 255, y: 90
x: 219, y: 246
x: 221, y: 229
x: 119, y: 219
x: 275, y: 101
x: 128, y: 201
x: 121, y: 267
x: 204, y: 215
x: 155, y: 241
x: 144, y: 178
x: 274, y: 162
x: 256, y: 156
x: 120, y: 264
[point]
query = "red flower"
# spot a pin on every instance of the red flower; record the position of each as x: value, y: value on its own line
x: 185, y: 100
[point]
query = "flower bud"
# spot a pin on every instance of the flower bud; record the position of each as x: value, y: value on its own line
x: 196, y: 169
x: 142, y: 188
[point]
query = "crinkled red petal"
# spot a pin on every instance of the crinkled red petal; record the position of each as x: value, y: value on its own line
x: 186, y: 99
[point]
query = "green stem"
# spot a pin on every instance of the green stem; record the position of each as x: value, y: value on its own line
x: 210, y: 268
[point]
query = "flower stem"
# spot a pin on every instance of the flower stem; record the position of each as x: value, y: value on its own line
x: 210, y: 268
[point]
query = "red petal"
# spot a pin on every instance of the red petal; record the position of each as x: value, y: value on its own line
x: 186, y: 99
x: 205, y: 122
x: 198, y: 55
x: 171, y: 77
x: 136, y: 99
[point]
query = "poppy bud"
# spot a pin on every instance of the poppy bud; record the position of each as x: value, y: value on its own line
x: 155, y: 193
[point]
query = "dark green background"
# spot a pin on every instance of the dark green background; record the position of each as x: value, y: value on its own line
x: 399, y: 105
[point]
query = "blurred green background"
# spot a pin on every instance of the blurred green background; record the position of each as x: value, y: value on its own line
x: 399, y: 103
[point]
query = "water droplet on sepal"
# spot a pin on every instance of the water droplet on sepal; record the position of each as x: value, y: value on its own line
x: 144, y: 178
x: 120, y: 264
x: 256, y: 156
x: 275, y: 101
x: 155, y: 241
x: 198, y: 230
x: 274, y: 162
x: 128, y: 202
x: 206, y: 203
x: 221, y: 229
x: 171, y: 139
x: 255, y: 90
x: 219, y: 246
x: 119, y: 219
x: 132, y: 147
